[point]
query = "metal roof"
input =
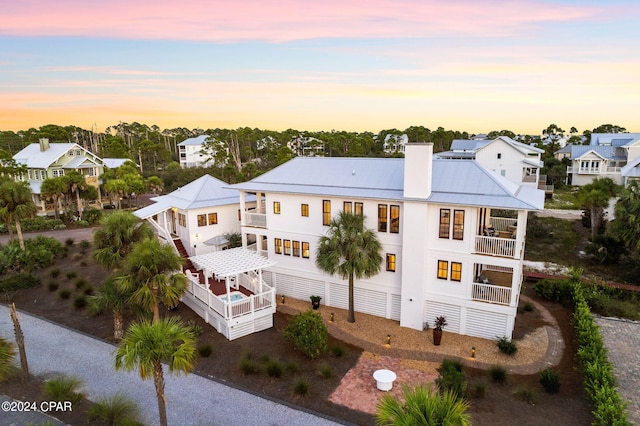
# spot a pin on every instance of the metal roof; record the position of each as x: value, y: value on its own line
x: 33, y: 157
x: 198, y: 140
x: 453, y: 182
x: 631, y: 169
x: 228, y: 263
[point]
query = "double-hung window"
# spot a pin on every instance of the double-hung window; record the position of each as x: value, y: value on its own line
x: 456, y: 271
x: 304, y: 210
x: 458, y: 224
x: 382, y: 218
x: 213, y: 218
x: 394, y: 212
x: 276, y: 207
x: 358, y: 208
x: 347, y: 207
x: 443, y: 269
x: 445, y: 221
x: 326, y: 212
x: 278, y: 245
x: 202, y: 220
x: 391, y: 262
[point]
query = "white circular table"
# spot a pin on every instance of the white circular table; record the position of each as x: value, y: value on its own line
x: 384, y: 379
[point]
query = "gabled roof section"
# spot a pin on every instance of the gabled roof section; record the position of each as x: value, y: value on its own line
x: 604, y: 152
x: 339, y: 176
x: 614, y: 139
x: 205, y: 191
x: 80, y: 163
x: 114, y: 163
x: 468, y: 183
x: 454, y: 182
x: 198, y: 140
x: 33, y: 157
x: 522, y: 147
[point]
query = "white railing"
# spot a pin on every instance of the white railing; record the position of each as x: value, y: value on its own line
x: 234, y: 309
x: 505, y: 247
x: 491, y: 293
x: 258, y: 220
x: 502, y: 223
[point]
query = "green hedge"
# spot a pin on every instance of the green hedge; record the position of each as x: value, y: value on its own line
x: 308, y: 333
x: 599, y: 381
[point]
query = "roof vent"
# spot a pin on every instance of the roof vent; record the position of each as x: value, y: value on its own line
x: 353, y: 172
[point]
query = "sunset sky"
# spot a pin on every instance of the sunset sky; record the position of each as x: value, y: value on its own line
x: 320, y: 65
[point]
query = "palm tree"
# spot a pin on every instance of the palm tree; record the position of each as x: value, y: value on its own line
x: 7, y: 355
x: 54, y: 188
x: 147, y: 345
x: 115, y: 237
x: 350, y: 250
x: 595, y: 196
x: 146, y: 275
x: 76, y: 183
x: 16, y: 204
x: 626, y: 227
x: 423, y: 406
x: 109, y: 296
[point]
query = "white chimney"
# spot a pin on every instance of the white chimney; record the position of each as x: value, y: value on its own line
x: 44, y: 144
x: 418, y: 167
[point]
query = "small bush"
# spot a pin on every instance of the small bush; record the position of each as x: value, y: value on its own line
x: 88, y: 291
x: 291, y: 367
x: 526, y: 394
x: 80, y: 283
x: 63, y: 388
x: 77, y: 256
x: 498, y: 374
x: 80, y: 302
x: 7, y: 355
x: 69, y: 241
x: 507, y: 346
x: 84, y: 246
x: 452, y: 377
x: 337, y: 351
x: 528, y: 307
x: 71, y: 275
x: 83, y: 263
x: 308, y: 333
x: 55, y: 273
x: 325, y: 371
x: 205, y: 351
x: 550, y: 380
x: 117, y: 410
x: 18, y: 282
x: 274, y: 368
x: 479, y: 390
x: 195, y: 328
x: 53, y: 286
x: 64, y: 294
x: 301, y: 387
x: 249, y: 366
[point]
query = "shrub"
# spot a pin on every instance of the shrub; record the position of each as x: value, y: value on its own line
x: 63, y: 388
x: 451, y: 377
x: 337, y: 350
x: 116, y: 410
x: 291, y: 367
x: 506, y: 346
x: 479, y: 390
x: 77, y: 256
x: 91, y: 215
x: 550, y: 380
x: 274, y: 368
x: 18, y: 282
x: 205, y: 351
x: 71, y: 275
x: 83, y: 263
x: 526, y: 394
x: 301, y: 387
x: 84, y: 246
x: 80, y: 302
x: 248, y: 365
x: 498, y: 374
x: 88, y: 291
x: 556, y: 290
x: 325, y: 371
x: 54, y: 273
x: 80, y: 283
x: 528, y: 307
x: 7, y: 355
x: 64, y: 294
x: 195, y: 328
x: 53, y: 286
x: 308, y: 333
x: 69, y: 241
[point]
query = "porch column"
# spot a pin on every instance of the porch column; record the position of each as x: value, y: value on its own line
x: 226, y: 283
x: 206, y: 277
x: 520, y: 233
x: 260, y: 280
x: 242, y: 209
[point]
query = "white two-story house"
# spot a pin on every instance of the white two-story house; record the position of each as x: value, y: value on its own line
x: 612, y: 155
x: 190, y: 153
x: 518, y: 162
x: 453, y: 235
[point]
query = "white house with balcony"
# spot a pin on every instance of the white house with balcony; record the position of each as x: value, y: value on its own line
x: 453, y: 235
x: 191, y: 155
x: 518, y: 162
x: 225, y: 284
x: 612, y: 155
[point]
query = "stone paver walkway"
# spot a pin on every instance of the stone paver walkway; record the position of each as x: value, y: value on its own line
x: 622, y: 340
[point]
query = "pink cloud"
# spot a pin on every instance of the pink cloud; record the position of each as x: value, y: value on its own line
x: 282, y: 20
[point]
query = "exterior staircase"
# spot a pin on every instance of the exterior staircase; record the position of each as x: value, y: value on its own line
x: 187, y: 263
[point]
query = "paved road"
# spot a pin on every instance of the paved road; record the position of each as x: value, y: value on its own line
x: 622, y: 340
x: 191, y: 399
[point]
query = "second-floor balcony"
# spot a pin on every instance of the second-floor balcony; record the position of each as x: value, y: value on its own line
x: 592, y: 170
x: 499, y: 238
x: 256, y: 220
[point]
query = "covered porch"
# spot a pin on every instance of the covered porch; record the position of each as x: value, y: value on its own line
x: 496, y: 284
x: 230, y: 294
x: 499, y: 233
